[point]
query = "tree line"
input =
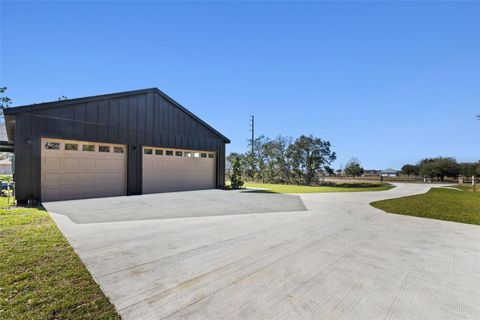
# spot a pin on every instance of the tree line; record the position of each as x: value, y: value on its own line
x: 441, y: 167
x: 283, y: 160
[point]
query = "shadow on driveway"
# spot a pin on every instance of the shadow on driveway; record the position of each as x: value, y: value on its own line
x: 174, y: 205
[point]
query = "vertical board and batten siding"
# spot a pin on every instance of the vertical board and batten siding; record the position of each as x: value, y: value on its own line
x: 146, y: 119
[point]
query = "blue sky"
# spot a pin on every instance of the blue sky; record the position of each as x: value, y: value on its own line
x: 386, y: 82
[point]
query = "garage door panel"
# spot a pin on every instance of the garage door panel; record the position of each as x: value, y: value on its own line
x: 53, y: 177
x: 117, y: 164
x: 70, y: 177
x: 53, y: 163
x: 86, y: 163
x: 109, y: 178
x: 76, y: 190
x: 162, y: 173
x: 71, y: 164
x: 86, y: 177
x: 102, y: 164
x: 51, y: 193
x: 117, y: 177
x: 148, y: 164
x: 103, y: 178
x: 77, y: 174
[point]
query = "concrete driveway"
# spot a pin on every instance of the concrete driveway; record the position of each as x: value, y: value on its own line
x: 341, y: 259
x: 175, y: 205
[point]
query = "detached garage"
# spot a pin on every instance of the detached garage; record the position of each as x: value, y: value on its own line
x: 124, y: 143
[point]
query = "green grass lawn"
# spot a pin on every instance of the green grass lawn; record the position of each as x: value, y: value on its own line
x: 467, y: 187
x: 345, y: 187
x: 41, y: 276
x: 6, y: 177
x: 443, y: 204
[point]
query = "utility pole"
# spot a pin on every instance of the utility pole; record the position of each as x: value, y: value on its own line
x: 252, y: 130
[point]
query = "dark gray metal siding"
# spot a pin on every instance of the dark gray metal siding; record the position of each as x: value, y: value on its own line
x: 140, y: 120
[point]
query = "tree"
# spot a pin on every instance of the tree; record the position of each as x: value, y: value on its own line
x: 469, y: 169
x: 229, y: 163
x: 62, y: 97
x: 329, y: 170
x: 306, y: 156
x: 275, y: 163
x: 426, y: 168
x: 282, y: 160
x: 255, y: 163
x: 353, y: 168
x: 410, y: 170
x: 439, y: 168
x: 447, y: 167
x: 236, y: 181
x: 5, y: 102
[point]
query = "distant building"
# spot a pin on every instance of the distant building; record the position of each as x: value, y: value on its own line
x: 389, y: 173
x: 5, y: 146
x: 5, y: 166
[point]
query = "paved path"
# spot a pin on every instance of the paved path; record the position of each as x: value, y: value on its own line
x: 342, y: 259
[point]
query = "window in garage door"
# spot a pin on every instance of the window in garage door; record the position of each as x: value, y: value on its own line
x: 80, y: 169
x: 187, y: 170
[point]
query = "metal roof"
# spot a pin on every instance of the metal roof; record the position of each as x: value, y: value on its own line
x: 389, y: 170
x: 39, y: 106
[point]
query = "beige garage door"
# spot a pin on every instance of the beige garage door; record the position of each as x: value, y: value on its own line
x: 167, y: 170
x: 79, y: 169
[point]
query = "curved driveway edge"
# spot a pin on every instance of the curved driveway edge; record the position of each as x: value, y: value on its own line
x: 341, y: 259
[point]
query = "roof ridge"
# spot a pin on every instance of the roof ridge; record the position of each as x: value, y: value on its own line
x: 67, y: 102
x: 59, y: 103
